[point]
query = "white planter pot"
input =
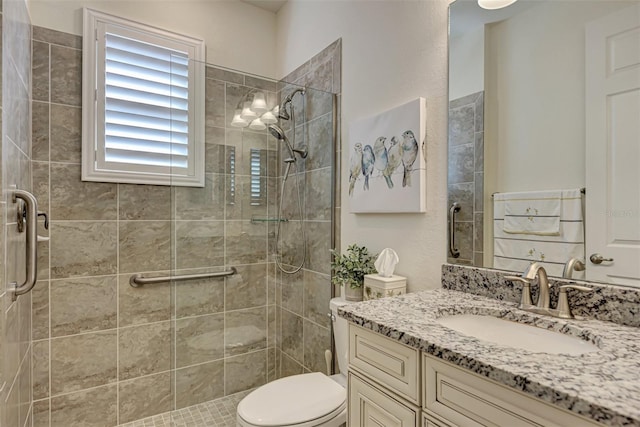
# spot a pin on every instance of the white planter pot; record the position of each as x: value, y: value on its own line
x: 352, y: 294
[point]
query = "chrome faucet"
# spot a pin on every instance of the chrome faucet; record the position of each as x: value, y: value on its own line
x: 534, y: 270
x: 574, y: 264
x: 542, y: 306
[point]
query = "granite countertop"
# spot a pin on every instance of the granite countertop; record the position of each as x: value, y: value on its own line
x: 602, y: 385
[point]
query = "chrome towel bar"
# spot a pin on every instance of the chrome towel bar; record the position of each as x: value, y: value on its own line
x: 137, y: 280
x: 583, y: 190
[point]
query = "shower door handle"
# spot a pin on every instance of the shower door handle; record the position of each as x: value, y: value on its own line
x: 453, y: 210
x: 27, y: 221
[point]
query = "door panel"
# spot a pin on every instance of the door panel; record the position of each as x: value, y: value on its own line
x: 613, y: 146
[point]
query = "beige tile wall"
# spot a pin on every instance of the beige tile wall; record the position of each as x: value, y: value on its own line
x: 15, y: 318
x: 107, y: 353
x: 302, y: 303
x: 466, y: 175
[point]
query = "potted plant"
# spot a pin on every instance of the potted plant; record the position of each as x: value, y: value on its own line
x: 349, y: 270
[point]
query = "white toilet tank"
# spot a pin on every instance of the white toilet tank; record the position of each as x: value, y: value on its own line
x: 340, y: 334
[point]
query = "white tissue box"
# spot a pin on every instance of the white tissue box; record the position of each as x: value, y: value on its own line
x: 376, y: 286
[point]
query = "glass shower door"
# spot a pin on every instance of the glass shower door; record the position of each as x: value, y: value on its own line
x: 230, y: 334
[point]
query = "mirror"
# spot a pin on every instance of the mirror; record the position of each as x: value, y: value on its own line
x: 517, y: 103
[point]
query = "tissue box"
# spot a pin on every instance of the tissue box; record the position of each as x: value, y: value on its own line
x: 376, y: 286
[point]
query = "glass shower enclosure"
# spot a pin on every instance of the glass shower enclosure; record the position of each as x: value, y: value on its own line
x: 247, y: 254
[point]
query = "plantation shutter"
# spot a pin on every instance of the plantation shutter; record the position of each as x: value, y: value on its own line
x: 148, y: 103
x: 258, y: 195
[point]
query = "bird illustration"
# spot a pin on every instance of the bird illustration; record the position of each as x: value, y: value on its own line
x: 356, y: 166
x: 409, y: 155
x: 368, y: 159
x: 380, y: 153
x: 394, y: 157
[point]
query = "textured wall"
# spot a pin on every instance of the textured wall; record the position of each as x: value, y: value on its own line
x: 15, y: 320
x: 107, y: 353
x: 304, y: 330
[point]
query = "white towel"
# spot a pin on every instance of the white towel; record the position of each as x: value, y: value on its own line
x: 534, y: 212
x: 514, y: 252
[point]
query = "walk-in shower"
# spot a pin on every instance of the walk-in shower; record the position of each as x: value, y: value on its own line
x: 189, y: 343
x: 287, y: 112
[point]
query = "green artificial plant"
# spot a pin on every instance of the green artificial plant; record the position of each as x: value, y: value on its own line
x: 350, y: 268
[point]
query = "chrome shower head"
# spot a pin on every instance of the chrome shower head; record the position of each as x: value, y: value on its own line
x: 283, y: 113
x: 277, y: 132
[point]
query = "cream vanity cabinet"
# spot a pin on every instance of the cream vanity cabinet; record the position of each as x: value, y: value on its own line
x: 393, y: 385
x: 384, y: 381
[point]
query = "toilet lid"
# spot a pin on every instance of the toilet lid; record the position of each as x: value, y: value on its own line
x: 292, y: 400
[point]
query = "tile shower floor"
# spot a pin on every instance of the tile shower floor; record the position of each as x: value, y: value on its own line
x: 215, y: 413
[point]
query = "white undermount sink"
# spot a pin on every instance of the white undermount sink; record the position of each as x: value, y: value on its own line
x: 514, y: 334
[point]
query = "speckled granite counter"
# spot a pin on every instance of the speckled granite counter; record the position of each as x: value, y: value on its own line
x: 603, y: 385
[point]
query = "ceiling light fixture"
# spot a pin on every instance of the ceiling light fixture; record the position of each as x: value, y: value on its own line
x: 494, y: 4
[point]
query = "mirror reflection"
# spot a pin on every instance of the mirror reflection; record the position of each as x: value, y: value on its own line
x: 544, y: 142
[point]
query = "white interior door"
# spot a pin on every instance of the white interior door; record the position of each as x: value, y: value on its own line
x: 613, y: 146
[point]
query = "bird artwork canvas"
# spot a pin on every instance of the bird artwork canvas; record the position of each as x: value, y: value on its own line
x: 387, y: 161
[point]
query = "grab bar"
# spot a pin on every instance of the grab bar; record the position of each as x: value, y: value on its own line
x: 453, y: 210
x: 257, y: 220
x: 29, y: 213
x: 137, y: 279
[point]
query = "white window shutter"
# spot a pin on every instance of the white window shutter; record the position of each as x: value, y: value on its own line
x: 146, y: 124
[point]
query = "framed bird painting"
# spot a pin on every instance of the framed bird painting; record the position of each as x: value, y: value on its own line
x: 387, y: 167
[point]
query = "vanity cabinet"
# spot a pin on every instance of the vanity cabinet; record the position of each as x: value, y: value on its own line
x: 386, y: 361
x: 384, y: 381
x: 370, y: 406
x: 391, y: 384
x: 467, y: 399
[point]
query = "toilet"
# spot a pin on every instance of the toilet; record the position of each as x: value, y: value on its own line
x: 305, y: 400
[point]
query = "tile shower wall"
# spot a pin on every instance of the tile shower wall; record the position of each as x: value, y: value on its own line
x: 15, y: 320
x: 466, y: 175
x: 303, y: 328
x: 106, y: 353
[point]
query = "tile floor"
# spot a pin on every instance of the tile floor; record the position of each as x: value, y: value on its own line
x: 215, y: 413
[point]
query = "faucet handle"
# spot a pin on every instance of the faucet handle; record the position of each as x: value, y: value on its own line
x: 564, y: 311
x: 518, y: 279
x: 525, y: 299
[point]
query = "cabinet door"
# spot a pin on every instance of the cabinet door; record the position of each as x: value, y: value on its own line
x: 394, y: 365
x: 371, y: 407
x: 429, y: 420
x: 468, y: 400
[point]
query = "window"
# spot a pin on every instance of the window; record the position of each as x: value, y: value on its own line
x: 258, y: 191
x: 143, y: 104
